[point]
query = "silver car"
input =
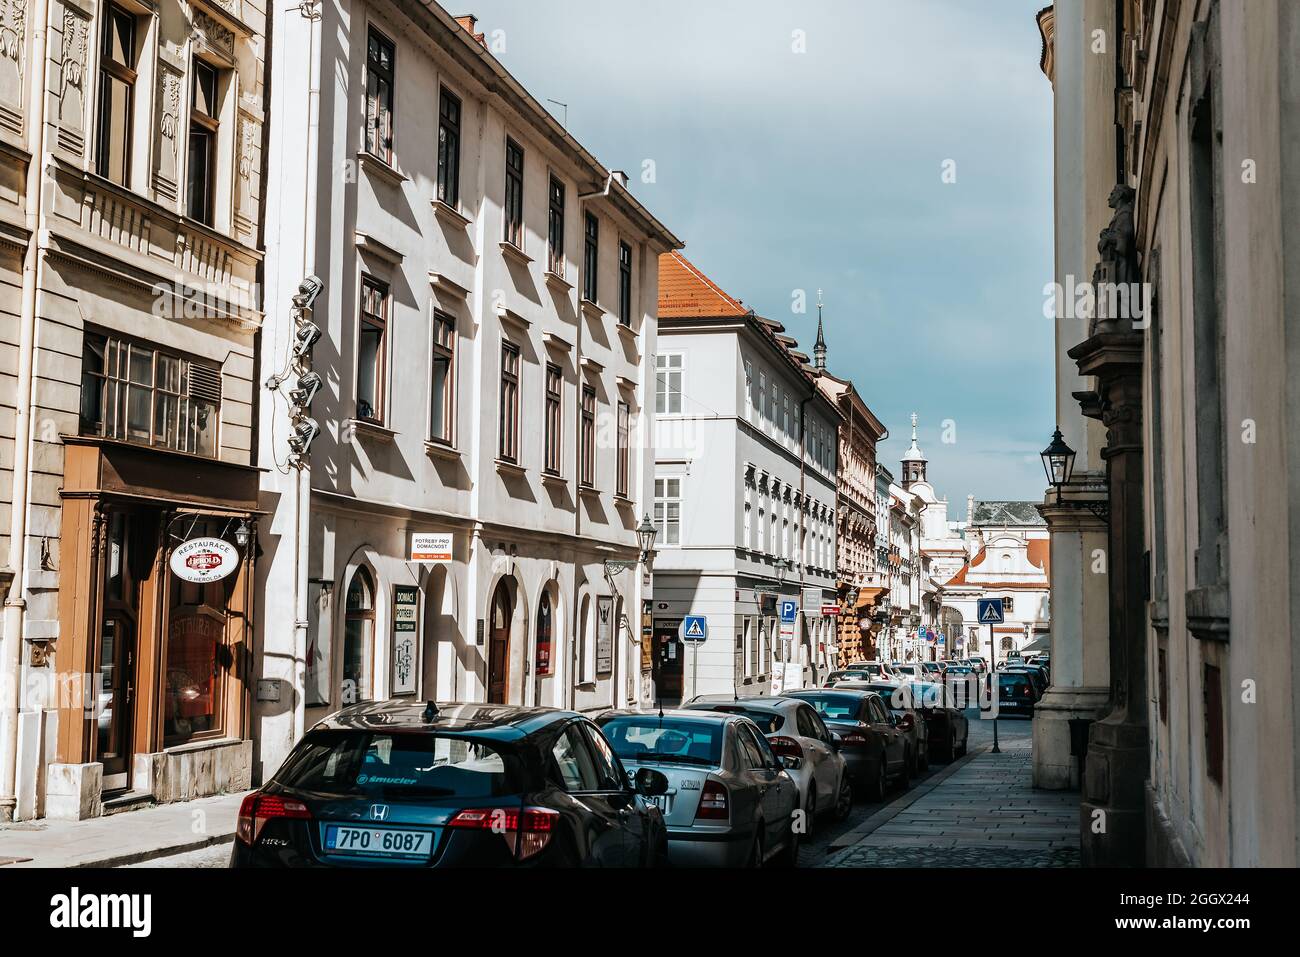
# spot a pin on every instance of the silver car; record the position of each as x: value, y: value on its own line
x: 730, y: 799
x: 795, y: 730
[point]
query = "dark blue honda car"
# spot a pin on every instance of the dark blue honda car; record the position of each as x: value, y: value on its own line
x: 410, y: 784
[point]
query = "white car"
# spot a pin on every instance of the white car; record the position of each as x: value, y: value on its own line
x: 795, y: 730
x: 911, y: 671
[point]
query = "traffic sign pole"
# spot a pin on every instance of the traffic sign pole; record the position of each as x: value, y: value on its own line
x: 994, y: 701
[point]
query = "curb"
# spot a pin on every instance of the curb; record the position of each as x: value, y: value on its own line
x: 902, y: 803
x: 155, y: 853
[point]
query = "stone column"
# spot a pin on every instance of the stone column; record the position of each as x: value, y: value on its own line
x: 1112, y: 812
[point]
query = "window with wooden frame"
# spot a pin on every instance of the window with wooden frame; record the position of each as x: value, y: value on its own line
x: 117, y: 76
x: 508, y: 424
x: 587, y: 463
x: 380, y: 56
x: 200, y: 172
x: 442, y: 381
x: 590, y: 257
x: 448, y: 148
x: 554, y: 426
x: 624, y: 453
x: 372, y: 350
x: 555, y: 229
x: 133, y: 392
x: 625, y: 284
x: 514, y: 204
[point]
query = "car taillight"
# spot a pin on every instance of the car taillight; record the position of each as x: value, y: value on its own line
x: 258, y: 808
x: 526, y: 832
x: 714, y: 805
x: 787, y: 747
x: 853, y: 739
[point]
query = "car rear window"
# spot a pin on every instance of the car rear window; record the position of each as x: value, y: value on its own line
x: 648, y: 737
x: 366, y: 763
x: 834, y: 707
x: 769, y: 722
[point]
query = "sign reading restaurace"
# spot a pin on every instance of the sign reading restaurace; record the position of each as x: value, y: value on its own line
x: 203, y: 560
x: 432, y: 547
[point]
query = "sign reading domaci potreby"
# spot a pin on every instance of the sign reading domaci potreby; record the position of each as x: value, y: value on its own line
x: 203, y: 560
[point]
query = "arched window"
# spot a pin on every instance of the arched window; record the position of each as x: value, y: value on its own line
x: 358, y: 638
x: 544, y: 635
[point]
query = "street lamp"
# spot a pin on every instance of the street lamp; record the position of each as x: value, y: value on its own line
x: 1058, y: 460
x: 645, y: 538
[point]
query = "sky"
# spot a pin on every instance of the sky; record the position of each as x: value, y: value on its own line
x: 803, y: 146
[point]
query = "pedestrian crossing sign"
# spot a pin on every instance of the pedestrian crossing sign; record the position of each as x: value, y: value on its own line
x: 695, y: 628
x: 989, y: 611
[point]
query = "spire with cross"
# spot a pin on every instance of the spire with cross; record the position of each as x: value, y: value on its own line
x: 819, y: 349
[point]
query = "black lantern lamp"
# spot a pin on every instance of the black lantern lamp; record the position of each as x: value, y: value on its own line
x: 1058, y: 461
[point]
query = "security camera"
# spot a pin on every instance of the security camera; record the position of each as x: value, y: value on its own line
x: 308, y: 290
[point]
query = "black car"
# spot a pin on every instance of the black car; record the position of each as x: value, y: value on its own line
x: 1037, y: 675
x: 873, y: 746
x: 1016, y: 693
x: 410, y: 784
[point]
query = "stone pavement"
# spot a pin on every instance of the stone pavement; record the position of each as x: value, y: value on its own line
x: 128, y: 837
x: 983, y: 814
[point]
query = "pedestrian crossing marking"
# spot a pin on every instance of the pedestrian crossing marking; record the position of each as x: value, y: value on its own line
x: 693, y: 630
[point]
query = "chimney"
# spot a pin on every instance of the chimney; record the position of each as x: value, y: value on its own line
x: 620, y: 176
x: 468, y: 22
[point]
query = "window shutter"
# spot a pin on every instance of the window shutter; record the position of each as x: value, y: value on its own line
x: 205, y: 384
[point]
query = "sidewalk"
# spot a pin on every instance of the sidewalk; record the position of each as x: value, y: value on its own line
x: 125, y: 838
x: 982, y: 814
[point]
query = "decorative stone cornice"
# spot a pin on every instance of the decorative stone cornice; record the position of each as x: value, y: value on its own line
x: 1046, y: 18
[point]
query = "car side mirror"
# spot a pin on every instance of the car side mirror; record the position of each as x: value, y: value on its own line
x: 837, y: 740
x: 649, y: 783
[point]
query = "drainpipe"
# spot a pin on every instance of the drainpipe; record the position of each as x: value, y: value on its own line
x: 803, y: 497
x: 15, y: 605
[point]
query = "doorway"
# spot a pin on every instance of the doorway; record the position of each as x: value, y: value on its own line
x: 115, y: 656
x: 670, y: 656
x: 499, y: 645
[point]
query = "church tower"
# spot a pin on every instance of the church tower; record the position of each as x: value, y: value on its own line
x: 819, y: 349
x: 913, y: 461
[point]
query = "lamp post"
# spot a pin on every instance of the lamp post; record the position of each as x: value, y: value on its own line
x: 645, y: 538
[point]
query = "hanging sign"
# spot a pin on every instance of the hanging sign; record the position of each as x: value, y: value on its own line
x: 406, y: 642
x: 203, y: 560
x: 604, y: 635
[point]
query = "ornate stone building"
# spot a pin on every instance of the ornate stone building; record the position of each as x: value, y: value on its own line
x: 130, y: 247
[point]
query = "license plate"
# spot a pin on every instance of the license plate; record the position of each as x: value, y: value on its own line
x: 385, y: 842
x: 661, y: 802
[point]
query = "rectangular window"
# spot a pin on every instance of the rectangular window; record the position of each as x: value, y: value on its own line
x: 442, y: 385
x: 625, y: 284
x: 200, y: 173
x: 514, y: 210
x: 624, y: 455
x: 508, y: 444
x: 116, y: 95
x: 135, y: 393
x: 555, y: 229
x: 1213, y: 693
x: 554, y: 418
x: 587, y: 466
x: 668, y: 384
x: 379, y: 96
x: 668, y: 510
x: 372, y: 350
x: 749, y: 391
x: 590, y: 258
x: 448, y: 148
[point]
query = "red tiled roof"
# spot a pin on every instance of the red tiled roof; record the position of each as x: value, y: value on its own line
x: 686, y: 293
x: 1040, y: 554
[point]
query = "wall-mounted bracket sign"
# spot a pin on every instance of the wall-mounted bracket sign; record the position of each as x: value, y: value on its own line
x: 433, y: 548
x: 203, y: 560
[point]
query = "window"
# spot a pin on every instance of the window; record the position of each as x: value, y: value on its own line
x: 200, y: 173
x: 785, y: 415
x: 749, y: 391
x: 372, y: 359
x: 625, y: 284
x: 442, y: 385
x: 514, y: 211
x: 762, y: 398
x: 620, y: 482
x: 135, y: 393
x: 449, y: 148
x: 508, y: 445
x: 555, y: 229
x: 554, y: 419
x: 610, y: 772
x: 587, y: 467
x: 668, y: 384
x: 379, y: 96
x: 358, y: 638
x: 590, y: 248
x: 573, y: 761
x: 1212, y: 680
x: 1008, y: 603
x: 668, y: 510
x: 116, y: 95
x: 544, y: 635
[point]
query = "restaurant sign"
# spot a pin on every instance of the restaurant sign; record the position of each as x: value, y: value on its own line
x: 203, y: 560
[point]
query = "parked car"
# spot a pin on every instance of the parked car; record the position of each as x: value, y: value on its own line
x: 1016, y: 693
x: 795, y: 730
x: 874, y: 750
x: 877, y: 669
x: 729, y: 801
x: 410, y: 784
x: 1037, y: 675
x: 977, y: 664
x: 949, y: 727
x: 898, y: 699
x: 932, y: 670
x: 911, y: 670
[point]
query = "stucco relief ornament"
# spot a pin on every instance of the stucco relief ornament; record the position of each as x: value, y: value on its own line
x: 1117, y: 247
x: 73, y: 52
x: 171, y: 107
x: 12, y: 29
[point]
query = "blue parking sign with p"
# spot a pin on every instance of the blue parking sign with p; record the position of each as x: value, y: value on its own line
x: 989, y: 611
x: 789, y: 611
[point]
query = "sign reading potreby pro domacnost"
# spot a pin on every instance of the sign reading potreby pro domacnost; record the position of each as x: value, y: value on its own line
x: 203, y: 560
x: 431, y: 547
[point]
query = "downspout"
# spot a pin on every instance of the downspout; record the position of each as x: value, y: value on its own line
x: 15, y: 604
x: 803, y: 497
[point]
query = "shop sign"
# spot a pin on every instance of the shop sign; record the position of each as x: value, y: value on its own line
x: 831, y: 611
x: 406, y: 641
x: 203, y: 560
x: 433, y: 548
x: 604, y: 635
